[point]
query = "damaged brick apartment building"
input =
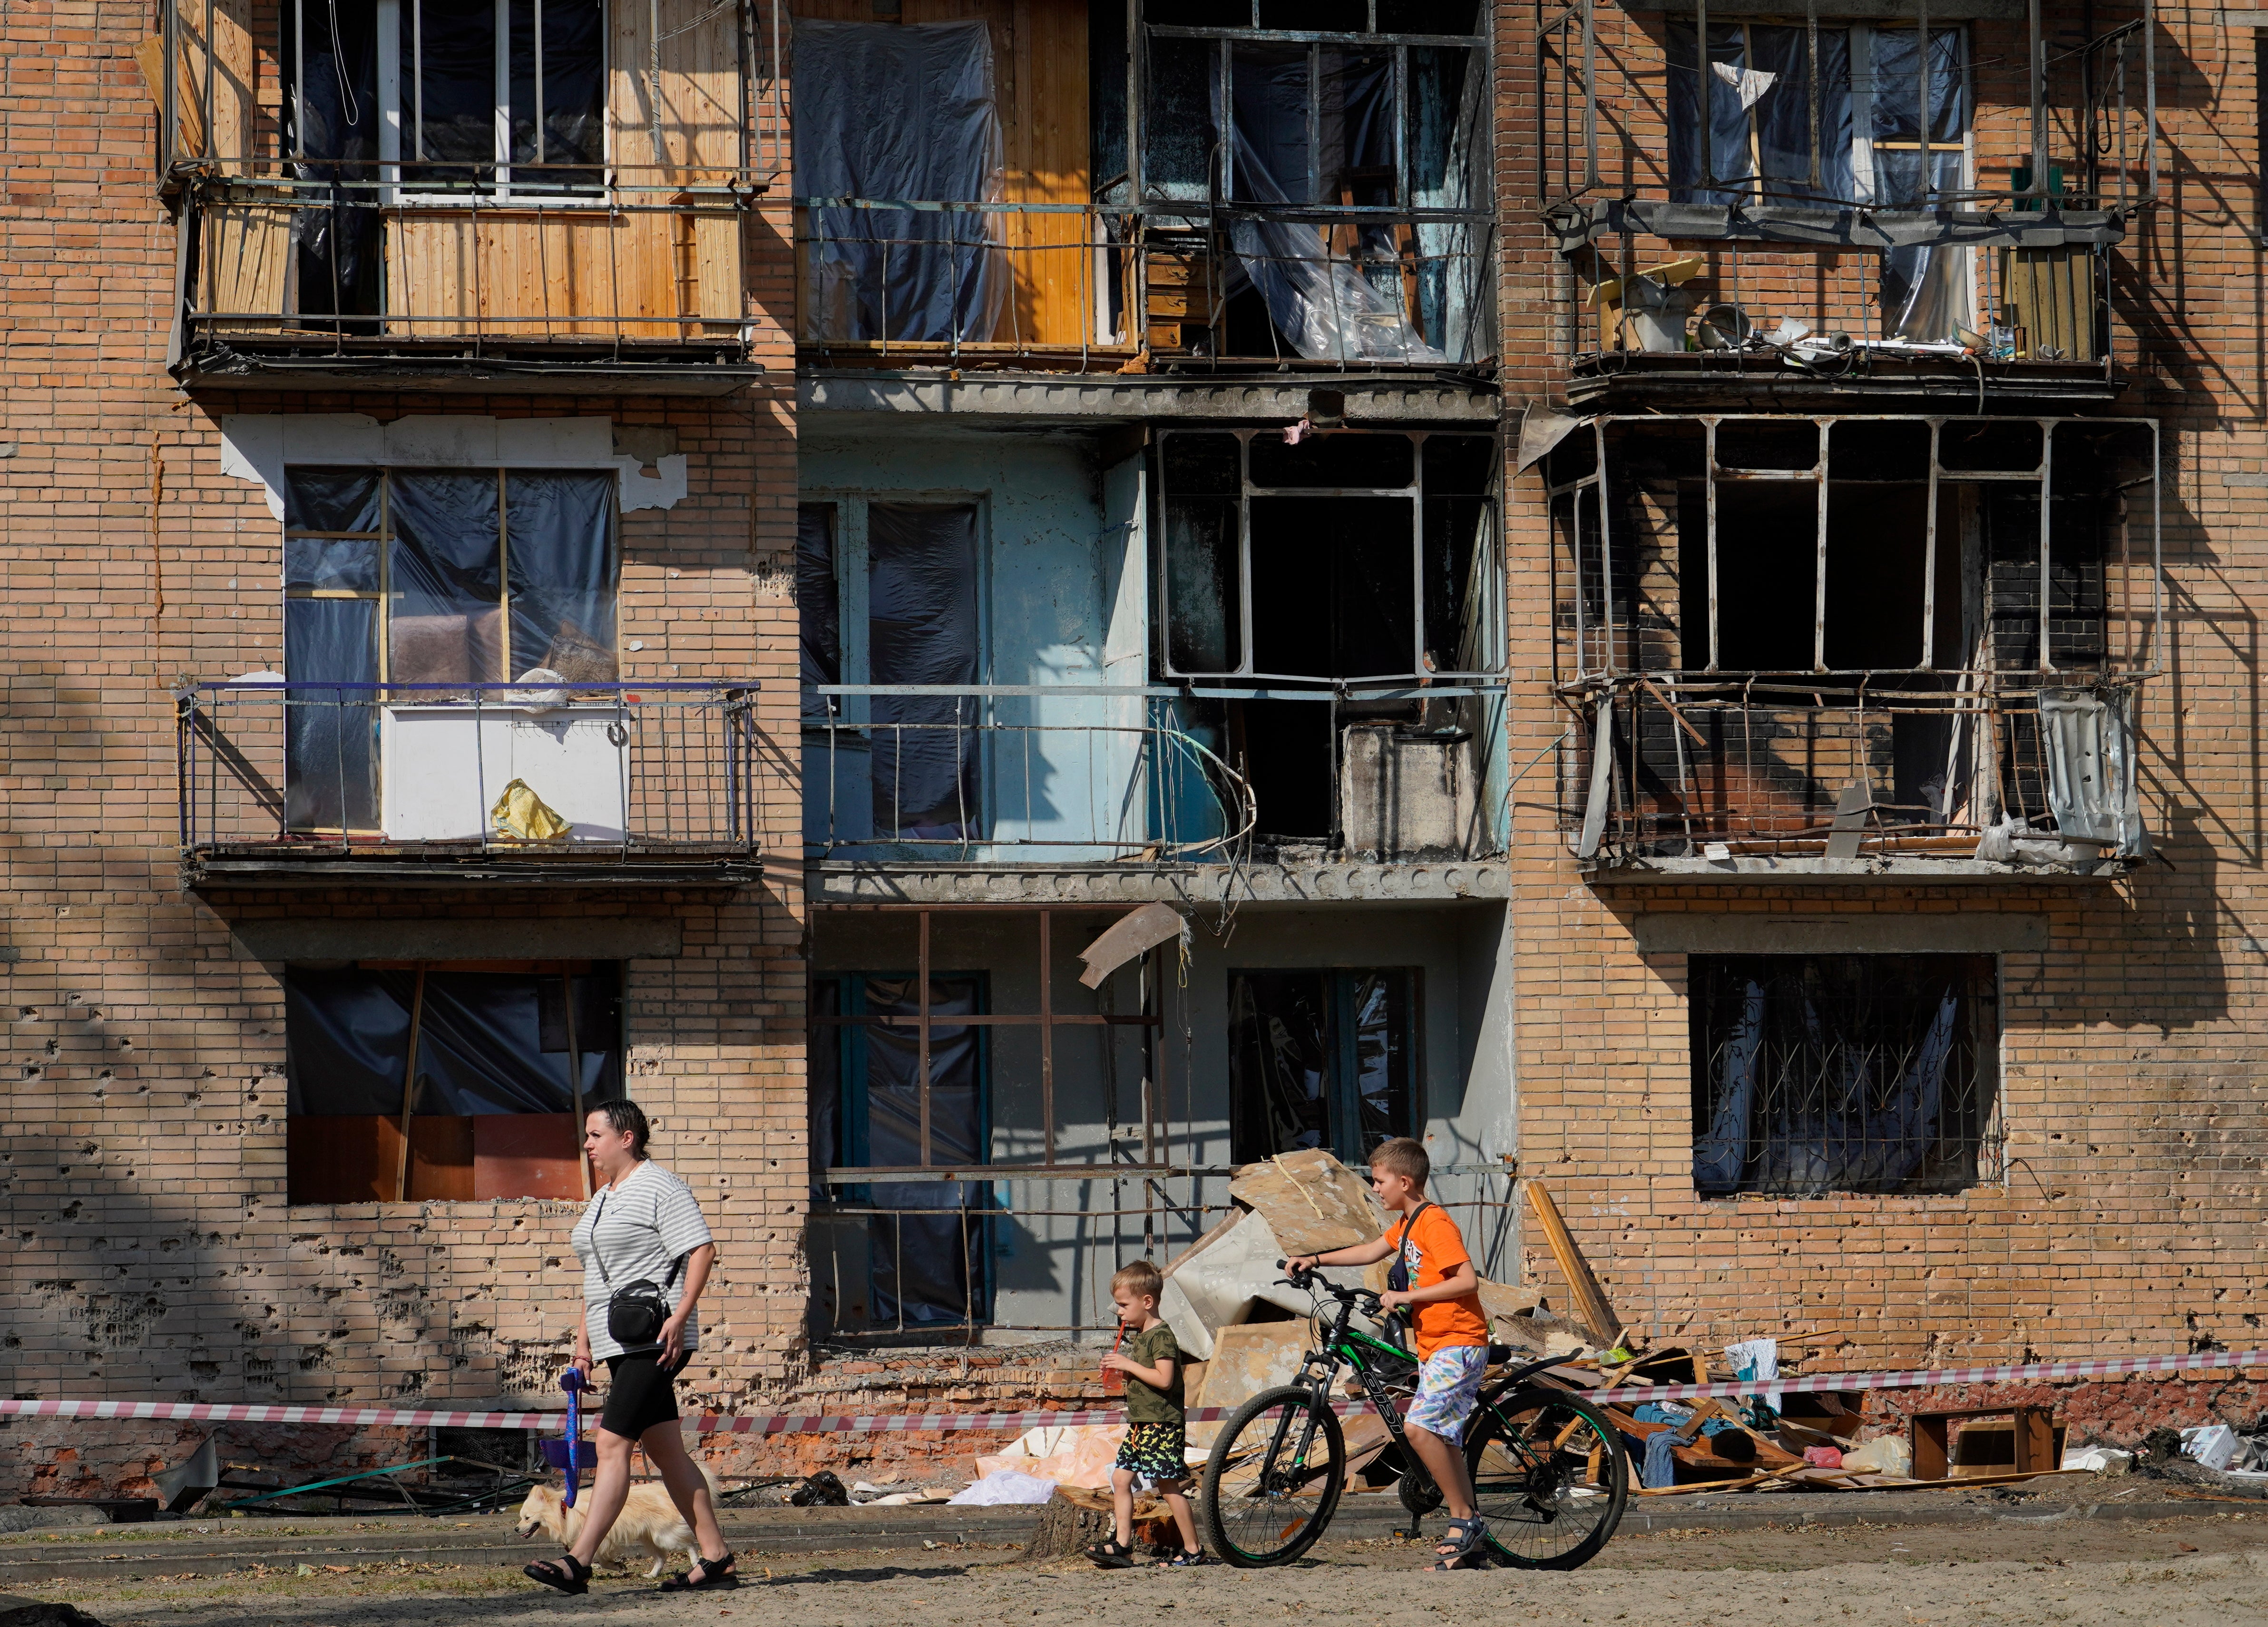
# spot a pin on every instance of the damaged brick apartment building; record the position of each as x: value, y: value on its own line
x: 1105, y: 591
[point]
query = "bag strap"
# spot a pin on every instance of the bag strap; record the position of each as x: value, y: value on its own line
x: 599, y: 1254
x: 1400, y: 1243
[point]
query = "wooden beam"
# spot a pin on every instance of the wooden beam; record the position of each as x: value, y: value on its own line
x: 1590, y: 1300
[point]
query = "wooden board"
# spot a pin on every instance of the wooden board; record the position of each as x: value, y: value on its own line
x: 1039, y: 76
x: 230, y: 60
x: 1591, y: 1306
x: 247, y: 261
x: 526, y: 1155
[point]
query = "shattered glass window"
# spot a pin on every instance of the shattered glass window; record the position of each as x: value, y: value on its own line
x: 1319, y: 1059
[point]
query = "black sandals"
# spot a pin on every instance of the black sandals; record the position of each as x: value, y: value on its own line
x: 567, y: 1574
x: 708, y: 1573
x: 1460, y: 1546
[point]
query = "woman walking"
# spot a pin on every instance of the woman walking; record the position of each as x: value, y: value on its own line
x: 642, y: 1230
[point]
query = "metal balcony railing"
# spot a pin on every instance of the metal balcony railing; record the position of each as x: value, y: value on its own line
x: 1946, y: 765
x: 281, y: 776
x: 913, y: 768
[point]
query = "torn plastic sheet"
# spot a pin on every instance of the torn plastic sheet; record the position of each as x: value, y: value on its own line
x: 561, y: 569
x: 885, y: 111
x: 2092, y: 785
x: 336, y: 271
x: 1325, y: 304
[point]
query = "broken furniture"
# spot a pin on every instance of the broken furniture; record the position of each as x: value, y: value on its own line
x: 2030, y: 1443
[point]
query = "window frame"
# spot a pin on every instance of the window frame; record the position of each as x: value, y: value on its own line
x: 1981, y: 1142
x: 400, y: 102
x: 1486, y: 568
x: 851, y: 1108
x: 853, y: 606
x: 1343, y: 1098
x: 383, y: 539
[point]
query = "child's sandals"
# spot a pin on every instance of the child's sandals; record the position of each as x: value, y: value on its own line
x: 1186, y: 1558
x: 1111, y: 1556
x: 1459, y: 1549
x: 567, y: 1574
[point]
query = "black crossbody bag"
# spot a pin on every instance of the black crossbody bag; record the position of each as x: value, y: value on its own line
x: 1397, y: 1275
x: 637, y: 1310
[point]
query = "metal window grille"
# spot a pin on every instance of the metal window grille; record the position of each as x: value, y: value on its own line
x: 1815, y: 1074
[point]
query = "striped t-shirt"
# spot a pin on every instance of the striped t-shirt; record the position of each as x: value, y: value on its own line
x: 640, y: 1226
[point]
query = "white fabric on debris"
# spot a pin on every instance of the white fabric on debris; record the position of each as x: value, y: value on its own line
x: 1749, y: 83
x: 1003, y: 1486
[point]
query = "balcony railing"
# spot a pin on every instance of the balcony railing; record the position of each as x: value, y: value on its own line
x: 567, y: 782
x: 916, y: 771
x: 2005, y: 768
x: 335, y: 224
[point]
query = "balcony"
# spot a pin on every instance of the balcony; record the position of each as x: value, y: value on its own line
x: 447, y: 784
x: 1804, y: 212
x: 1863, y: 645
x: 402, y: 196
x: 1267, y: 200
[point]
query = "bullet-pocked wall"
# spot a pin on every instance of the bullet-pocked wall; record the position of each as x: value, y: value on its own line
x: 2117, y: 1203
x: 1384, y: 1019
x: 153, y: 1251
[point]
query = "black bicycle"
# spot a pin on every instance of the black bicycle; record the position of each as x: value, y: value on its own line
x: 1549, y: 1475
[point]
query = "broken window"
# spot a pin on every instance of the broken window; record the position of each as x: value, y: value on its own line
x: 1351, y: 151
x: 1372, y: 552
x: 1843, y: 1073
x: 887, y: 596
x: 898, y: 113
x: 1320, y: 1059
x: 1833, y: 116
x: 925, y: 1239
x: 430, y: 578
x: 484, y: 1067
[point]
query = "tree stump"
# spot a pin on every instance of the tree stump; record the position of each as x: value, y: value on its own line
x: 1076, y: 1517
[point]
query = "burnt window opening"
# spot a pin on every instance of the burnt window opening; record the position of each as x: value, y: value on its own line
x: 1368, y: 555
x: 1351, y: 145
x: 1814, y: 1074
x: 519, y: 110
x: 482, y: 1066
x: 923, y: 1243
x: 1833, y: 117
x: 1321, y: 1059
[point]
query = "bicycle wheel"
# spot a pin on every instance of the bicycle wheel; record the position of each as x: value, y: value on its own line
x: 1550, y: 1476
x: 1274, y: 1479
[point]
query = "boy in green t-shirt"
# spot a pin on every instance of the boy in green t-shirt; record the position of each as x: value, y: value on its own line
x: 1157, y: 1439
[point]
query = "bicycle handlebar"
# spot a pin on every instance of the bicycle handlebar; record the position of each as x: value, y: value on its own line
x: 1362, y: 1298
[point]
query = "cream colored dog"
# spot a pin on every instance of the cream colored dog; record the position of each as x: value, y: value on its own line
x: 650, y: 1524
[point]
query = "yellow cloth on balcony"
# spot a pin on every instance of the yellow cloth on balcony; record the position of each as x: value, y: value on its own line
x: 523, y: 814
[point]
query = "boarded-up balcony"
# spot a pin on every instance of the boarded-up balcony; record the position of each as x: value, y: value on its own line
x: 413, y: 196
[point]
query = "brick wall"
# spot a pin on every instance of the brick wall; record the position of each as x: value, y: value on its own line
x: 151, y: 1251
x: 2129, y: 1217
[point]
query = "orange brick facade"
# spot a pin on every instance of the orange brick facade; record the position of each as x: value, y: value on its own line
x: 2128, y: 1216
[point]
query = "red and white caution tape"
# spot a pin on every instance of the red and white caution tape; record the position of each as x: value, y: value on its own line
x: 1927, y: 1378
x: 953, y: 1422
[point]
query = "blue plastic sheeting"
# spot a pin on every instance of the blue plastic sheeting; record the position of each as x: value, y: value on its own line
x: 899, y: 114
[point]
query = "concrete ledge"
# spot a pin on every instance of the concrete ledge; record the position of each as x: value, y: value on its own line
x: 1061, y: 885
x: 1949, y: 932
x: 575, y: 938
x: 1371, y: 398
x: 1746, y: 869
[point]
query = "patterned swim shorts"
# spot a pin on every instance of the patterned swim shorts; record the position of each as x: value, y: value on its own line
x: 1154, y: 1453
x: 1448, y: 1388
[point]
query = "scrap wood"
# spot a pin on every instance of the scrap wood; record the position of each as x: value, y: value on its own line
x: 1591, y: 1305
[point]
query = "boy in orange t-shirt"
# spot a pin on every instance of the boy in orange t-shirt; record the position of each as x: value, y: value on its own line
x: 1435, y: 1279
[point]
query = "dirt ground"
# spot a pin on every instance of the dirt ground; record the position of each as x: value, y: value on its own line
x: 2211, y: 1570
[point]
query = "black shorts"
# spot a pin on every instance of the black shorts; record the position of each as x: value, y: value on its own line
x: 640, y: 1394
